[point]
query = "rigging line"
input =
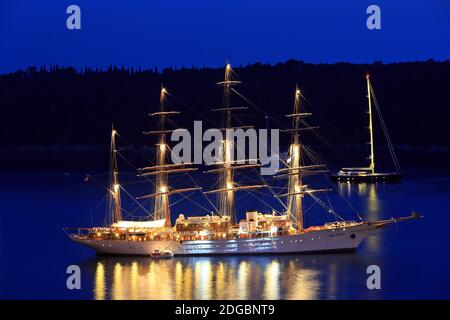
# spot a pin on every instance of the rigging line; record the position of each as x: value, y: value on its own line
x: 281, y: 191
x: 101, y: 201
x: 346, y: 200
x: 131, y: 145
x: 202, y: 115
x: 258, y: 108
x: 327, y: 143
x: 144, y: 203
x: 314, y: 158
x: 99, y: 183
x: 294, y: 220
x: 329, y: 210
x: 132, y: 183
x: 197, y: 185
x: 259, y: 199
x: 385, y: 130
x: 126, y: 212
x: 173, y: 123
x: 126, y: 160
x: 317, y: 158
x: 329, y: 202
x: 179, y: 200
x: 145, y: 177
x: 135, y: 201
x: 383, y: 125
x: 303, y: 99
x: 352, y: 207
x: 195, y: 202
x: 98, y: 174
x: 139, y: 217
x: 310, y: 207
x: 276, y: 196
x: 244, y: 198
x: 284, y: 161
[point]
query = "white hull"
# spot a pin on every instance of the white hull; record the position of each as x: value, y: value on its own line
x: 339, y: 239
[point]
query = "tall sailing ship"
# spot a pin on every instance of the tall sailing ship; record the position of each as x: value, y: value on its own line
x: 221, y: 233
x: 369, y: 174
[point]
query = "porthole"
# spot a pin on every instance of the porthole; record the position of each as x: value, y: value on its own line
x: 353, y: 236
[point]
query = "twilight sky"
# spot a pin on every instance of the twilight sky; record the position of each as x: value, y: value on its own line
x: 163, y: 33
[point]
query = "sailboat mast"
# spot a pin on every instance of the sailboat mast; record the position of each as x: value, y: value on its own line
x: 295, y: 179
x: 161, y: 204
x: 369, y: 97
x: 162, y: 168
x: 227, y: 165
x: 115, y: 186
x: 226, y: 199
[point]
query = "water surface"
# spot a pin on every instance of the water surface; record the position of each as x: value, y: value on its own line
x: 34, y: 251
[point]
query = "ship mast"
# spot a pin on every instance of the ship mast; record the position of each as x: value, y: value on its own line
x: 162, y: 169
x: 115, y: 209
x: 227, y: 186
x: 294, y: 170
x: 162, y: 210
x: 294, y: 201
x: 226, y: 198
x: 369, y: 98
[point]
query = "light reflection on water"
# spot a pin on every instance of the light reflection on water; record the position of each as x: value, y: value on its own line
x: 366, y: 191
x: 263, y: 277
x: 100, y: 288
x: 371, y: 206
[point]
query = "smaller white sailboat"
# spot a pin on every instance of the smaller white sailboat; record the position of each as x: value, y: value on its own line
x: 369, y: 174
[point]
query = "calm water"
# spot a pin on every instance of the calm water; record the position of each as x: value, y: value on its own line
x: 413, y: 256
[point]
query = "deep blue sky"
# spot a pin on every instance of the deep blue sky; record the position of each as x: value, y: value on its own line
x: 197, y: 32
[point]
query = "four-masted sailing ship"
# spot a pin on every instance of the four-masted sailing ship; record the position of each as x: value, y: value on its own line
x: 368, y: 174
x: 221, y: 233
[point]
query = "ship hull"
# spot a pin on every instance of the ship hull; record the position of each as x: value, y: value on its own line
x: 329, y: 240
x: 375, y: 177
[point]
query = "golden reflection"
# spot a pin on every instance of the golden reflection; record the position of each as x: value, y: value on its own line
x: 362, y: 187
x: 368, y: 192
x: 231, y: 281
x: 134, y: 281
x: 302, y: 283
x: 220, y: 281
x: 272, y: 281
x: 332, y: 281
x: 187, y: 292
x: 209, y: 278
x: 117, y: 287
x: 373, y: 203
x: 203, y: 276
x: 345, y: 188
x: 373, y: 213
x: 151, y: 279
x: 178, y: 279
x: 243, y: 272
x: 99, y: 287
